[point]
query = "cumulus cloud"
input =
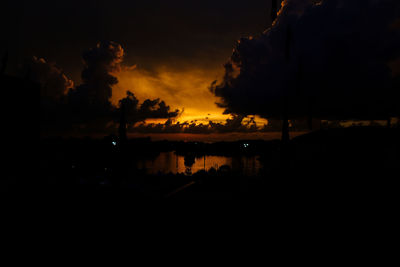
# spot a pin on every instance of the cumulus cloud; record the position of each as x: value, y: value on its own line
x: 91, y: 102
x: 98, y: 79
x: 53, y: 86
x: 326, y: 58
x: 149, y: 109
x: 53, y: 82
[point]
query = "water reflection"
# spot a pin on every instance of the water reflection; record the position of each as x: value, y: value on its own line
x: 169, y: 162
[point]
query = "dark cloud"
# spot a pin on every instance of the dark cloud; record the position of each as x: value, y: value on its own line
x: 149, y: 109
x: 94, y: 95
x: 153, y: 109
x: 326, y: 58
x: 54, y: 83
x: 89, y: 104
x: 98, y: 80
x: 176, y: 33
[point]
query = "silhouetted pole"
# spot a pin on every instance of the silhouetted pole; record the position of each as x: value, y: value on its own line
x: 285, y: 116
x: 285, y: 123
x: 301, y: 92
x: 122, y: 124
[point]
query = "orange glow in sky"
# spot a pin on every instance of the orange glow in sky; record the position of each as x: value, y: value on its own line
x: 186, y: 90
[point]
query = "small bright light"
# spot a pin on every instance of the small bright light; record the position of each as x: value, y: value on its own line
x: 246, y: 145
x: 114, y: 143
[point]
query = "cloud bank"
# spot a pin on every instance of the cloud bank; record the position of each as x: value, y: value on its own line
x: 91, y: 102
x: 54, y: 83
x: 326, y: 58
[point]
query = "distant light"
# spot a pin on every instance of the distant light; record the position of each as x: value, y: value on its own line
x: 246, y: 145
x: 114, y: 143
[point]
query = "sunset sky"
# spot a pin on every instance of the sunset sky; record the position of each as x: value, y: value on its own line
x: 205, y: 65
x: 179, y: 47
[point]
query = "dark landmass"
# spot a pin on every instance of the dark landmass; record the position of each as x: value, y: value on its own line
x: 360, y: 162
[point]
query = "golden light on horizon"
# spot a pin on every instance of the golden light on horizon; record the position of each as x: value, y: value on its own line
x: 186, y: 90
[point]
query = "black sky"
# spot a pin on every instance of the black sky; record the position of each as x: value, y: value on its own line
x: 172, y: 33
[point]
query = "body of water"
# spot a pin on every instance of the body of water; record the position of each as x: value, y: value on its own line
x: 170, y: 162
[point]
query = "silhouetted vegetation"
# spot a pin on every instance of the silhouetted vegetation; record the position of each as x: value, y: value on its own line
x: 323, y: 163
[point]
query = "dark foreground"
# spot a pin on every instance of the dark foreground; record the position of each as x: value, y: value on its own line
x: 335, y: 164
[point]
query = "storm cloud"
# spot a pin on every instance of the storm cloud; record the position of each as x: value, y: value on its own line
x: 53, y: 82
x: 326, y: 58
x: 149, y: 109
x: 90, y: 103
x: 98, y: 79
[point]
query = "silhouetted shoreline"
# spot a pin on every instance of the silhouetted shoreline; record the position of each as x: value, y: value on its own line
x: 324, y: 162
